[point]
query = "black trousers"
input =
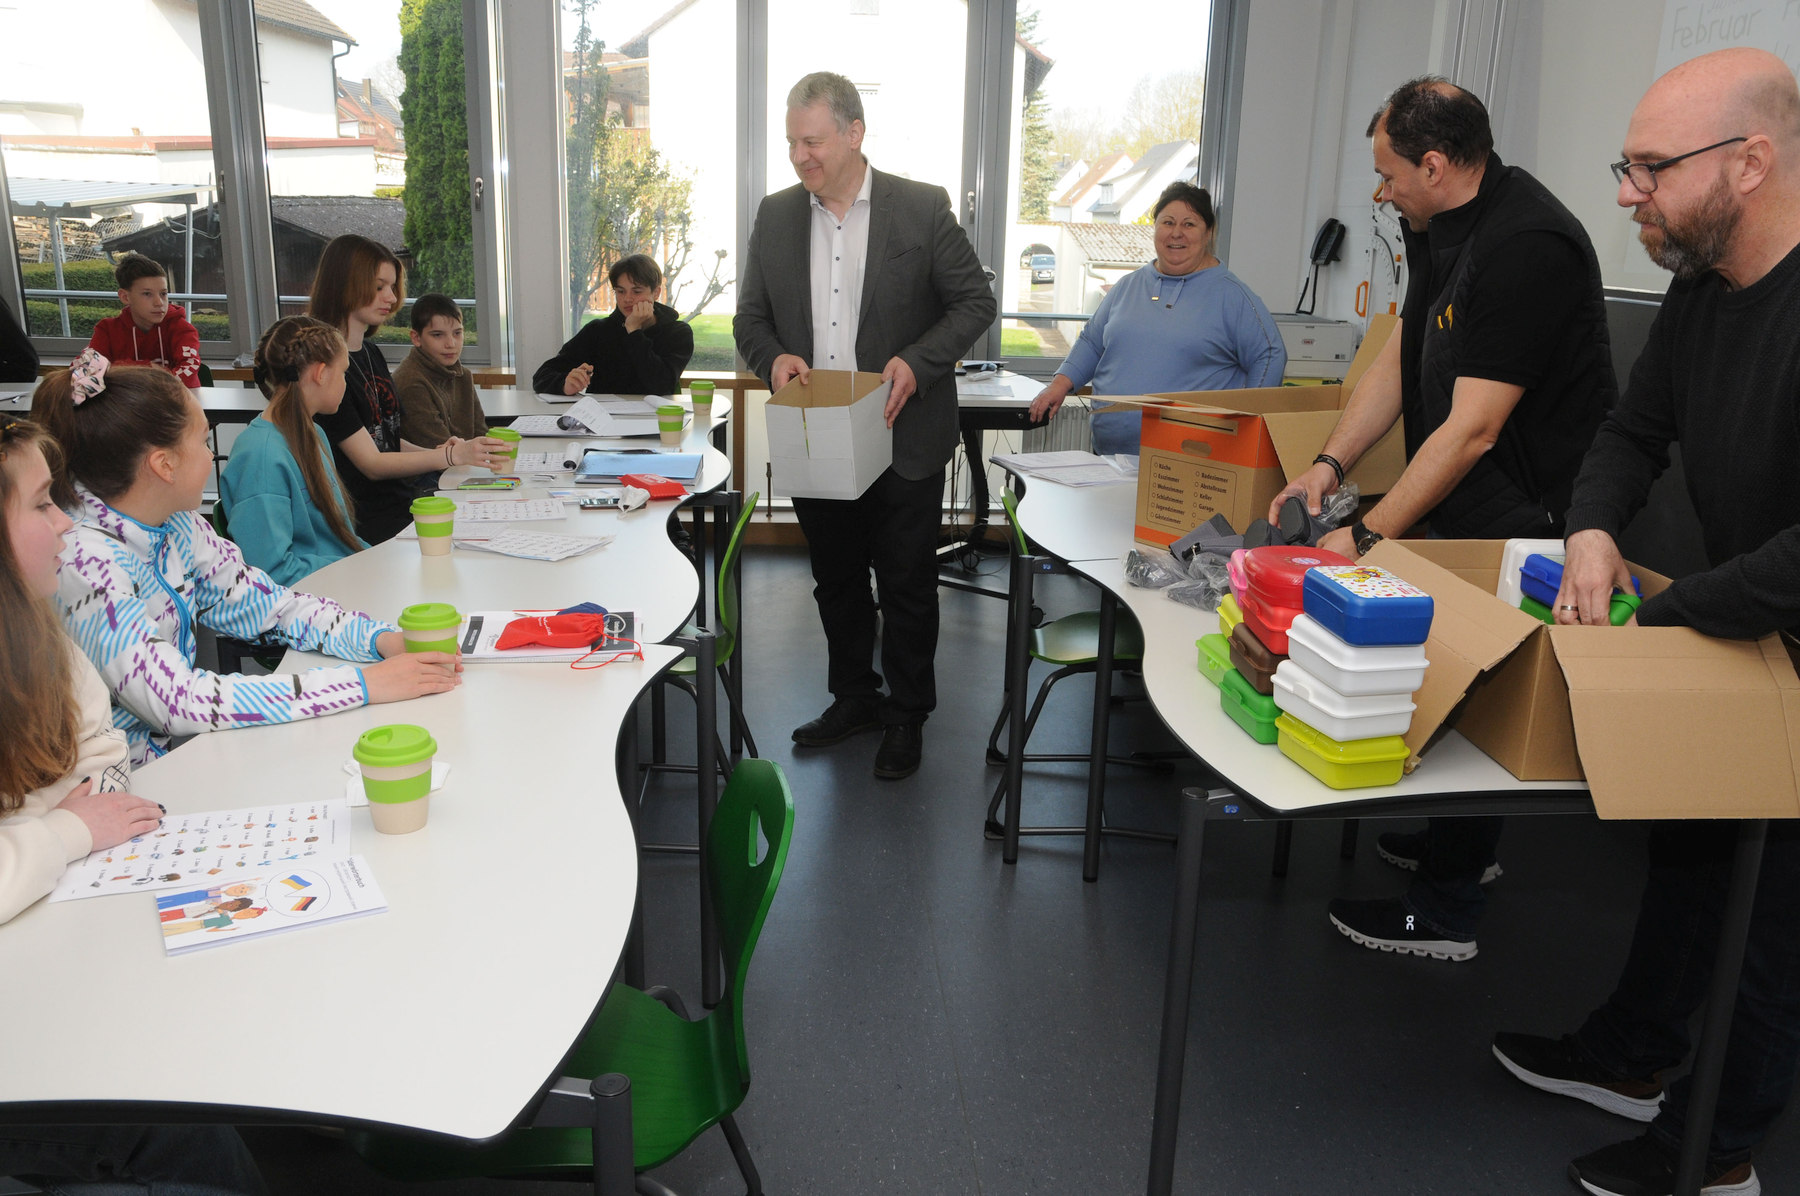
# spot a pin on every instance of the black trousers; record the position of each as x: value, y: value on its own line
x: 892, y: 529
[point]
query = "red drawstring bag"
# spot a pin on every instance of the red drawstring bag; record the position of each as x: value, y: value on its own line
x: 554, y: 631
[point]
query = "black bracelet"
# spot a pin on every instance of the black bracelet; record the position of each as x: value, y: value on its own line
x: 1337, y: 466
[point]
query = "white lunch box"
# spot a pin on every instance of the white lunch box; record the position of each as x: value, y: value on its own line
x: 1355, y: 669
x: 1335, y: 715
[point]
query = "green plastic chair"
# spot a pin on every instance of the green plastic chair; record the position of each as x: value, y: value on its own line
x: 1072, y: 643
x: 686, y: 1076
x: 725, y: 644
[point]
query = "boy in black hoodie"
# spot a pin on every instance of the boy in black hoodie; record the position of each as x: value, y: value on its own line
x: 640, y: 349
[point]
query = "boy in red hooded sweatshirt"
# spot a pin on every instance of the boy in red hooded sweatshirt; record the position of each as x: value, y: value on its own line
x: 151, y: 330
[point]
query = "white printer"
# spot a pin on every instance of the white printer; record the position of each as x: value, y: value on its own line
x: 1316, y: 348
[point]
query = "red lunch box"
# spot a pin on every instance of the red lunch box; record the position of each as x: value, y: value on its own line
x: 1274, y: 580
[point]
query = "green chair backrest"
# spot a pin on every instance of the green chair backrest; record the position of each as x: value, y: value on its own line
x: 728, y: 590
x: 206, y: 374
x: 1012, y: 518
x: 743, y: 869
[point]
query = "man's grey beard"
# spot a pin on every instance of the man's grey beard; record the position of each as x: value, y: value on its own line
x: 1699, y: 243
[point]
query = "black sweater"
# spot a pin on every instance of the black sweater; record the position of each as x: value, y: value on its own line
x: 646, y: 362
x: 18, y: 356
x: 1721, y: 375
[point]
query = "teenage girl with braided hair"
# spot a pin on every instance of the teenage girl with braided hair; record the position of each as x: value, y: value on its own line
x: 143, y: 567
x: 280, y: 491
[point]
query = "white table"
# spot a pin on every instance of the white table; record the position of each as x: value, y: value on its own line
x: 507, y: 915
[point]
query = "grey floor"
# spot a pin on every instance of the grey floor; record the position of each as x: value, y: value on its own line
x: 924, y: 1019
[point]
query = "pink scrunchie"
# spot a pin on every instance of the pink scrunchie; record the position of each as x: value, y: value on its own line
x: 87, y: 376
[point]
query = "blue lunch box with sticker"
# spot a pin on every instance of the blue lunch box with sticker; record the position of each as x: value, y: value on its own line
x: 1366, y: 604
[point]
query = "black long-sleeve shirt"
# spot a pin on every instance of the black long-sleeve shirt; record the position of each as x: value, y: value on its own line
x: 18, y: 356
x: 646, y: 362
x: 1721, y: 375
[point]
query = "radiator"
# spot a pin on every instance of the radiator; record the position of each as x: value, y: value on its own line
x: 1069, y: 428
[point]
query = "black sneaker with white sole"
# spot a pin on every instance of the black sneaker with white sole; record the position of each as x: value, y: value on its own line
x: 1387, y: 925
x: 1404, y: 849
x: 1560, y: 1066
x: 1645, y: 1167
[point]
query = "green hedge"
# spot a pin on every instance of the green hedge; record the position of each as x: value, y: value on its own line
x: 77, y: 276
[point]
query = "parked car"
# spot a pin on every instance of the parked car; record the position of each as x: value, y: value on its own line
x: 1043, y: 267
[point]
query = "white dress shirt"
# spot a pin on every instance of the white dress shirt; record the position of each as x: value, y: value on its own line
x: 840, y: 249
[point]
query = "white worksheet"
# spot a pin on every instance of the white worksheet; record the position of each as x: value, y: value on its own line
x: 536, y: 546
x: 507, y: 510
x: 212, y: 848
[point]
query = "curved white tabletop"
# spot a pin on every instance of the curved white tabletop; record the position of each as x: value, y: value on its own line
x: 506, y: 917
x: 1079, y: 523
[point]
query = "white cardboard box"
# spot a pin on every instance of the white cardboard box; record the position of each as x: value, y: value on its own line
x: 827, y: 437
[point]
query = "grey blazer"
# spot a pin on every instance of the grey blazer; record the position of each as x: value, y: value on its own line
x: 924, y: 300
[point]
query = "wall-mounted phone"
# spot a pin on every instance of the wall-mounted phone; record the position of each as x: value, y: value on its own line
x: 1326, y: 247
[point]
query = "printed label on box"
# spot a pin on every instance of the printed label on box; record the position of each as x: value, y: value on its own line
x: 1370, y: 581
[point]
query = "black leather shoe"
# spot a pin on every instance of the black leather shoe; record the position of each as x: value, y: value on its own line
x: 842, y: 719
x: 898, y: 755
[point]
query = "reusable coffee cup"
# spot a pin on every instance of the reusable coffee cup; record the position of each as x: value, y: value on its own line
x: 396, y: 771
x: 701, y: 393
x: 435, y: 518
x: 668, y: 422
x: 430, y: 627
x: 511, y: 451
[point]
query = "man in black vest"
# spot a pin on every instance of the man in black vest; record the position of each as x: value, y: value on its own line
x: 1502, y: 373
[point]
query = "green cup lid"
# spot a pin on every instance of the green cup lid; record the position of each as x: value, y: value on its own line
x: 430, y: 616
x: 699, y: 387
x: 670, y: 409
x: 433, y: 504
x: 394, y: 746
x: 505, y: 434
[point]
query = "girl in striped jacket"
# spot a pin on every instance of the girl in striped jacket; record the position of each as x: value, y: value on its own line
x: 142, y: 567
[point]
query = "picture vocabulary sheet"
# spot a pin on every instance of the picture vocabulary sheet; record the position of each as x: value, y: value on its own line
x: 212, y: 848
x: 255, y: 906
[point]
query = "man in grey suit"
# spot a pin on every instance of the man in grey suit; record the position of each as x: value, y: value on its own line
x: 856, y: 269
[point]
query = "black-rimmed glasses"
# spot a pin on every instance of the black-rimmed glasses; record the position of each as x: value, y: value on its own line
x: 1643, y: 174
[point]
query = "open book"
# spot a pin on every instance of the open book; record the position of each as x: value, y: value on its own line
x: 252, y: 906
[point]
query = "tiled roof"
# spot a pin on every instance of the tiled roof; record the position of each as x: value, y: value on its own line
x: 1120, y: 244
x: 382, y: 220
x: 638, y: 44
x: 1091, y: 179
x: 301, y: 17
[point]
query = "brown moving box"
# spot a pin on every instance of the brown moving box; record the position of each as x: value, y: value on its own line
x: 1231, y: 451
x: 1665, y: 722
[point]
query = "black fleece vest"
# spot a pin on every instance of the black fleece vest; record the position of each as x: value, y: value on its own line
x: 1521, y: 486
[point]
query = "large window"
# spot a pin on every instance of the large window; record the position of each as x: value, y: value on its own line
x: 97, y: 165
x: 651, y: 148
x: 365, y: 118
x: 1090, y: 160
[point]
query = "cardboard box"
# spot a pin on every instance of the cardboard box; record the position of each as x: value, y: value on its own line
x: 1663, y: 722
x: 827, y: 436
x: 1231, y: 451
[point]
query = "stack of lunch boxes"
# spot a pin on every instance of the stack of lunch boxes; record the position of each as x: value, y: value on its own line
x: 1265, y: 599
x: 1356, y: 654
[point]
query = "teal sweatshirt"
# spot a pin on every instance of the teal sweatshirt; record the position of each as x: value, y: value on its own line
x: 268, y: 511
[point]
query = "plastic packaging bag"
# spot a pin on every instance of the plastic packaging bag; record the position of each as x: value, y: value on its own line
x: 1152, y: 569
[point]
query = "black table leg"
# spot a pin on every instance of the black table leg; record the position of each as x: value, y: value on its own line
x: 1018, y: 664
x: 1178, y: 983
x: 1709, y: 1060
x: 978, y: 483
x: 1098, y: 739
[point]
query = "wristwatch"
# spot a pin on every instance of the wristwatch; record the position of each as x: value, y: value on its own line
x: 1365, y: 537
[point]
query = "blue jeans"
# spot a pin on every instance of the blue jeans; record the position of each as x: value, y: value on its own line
x: 1643, y: 1027
x: 130, y: 1160
x: 1117, y: 431
x: 1447, y: 895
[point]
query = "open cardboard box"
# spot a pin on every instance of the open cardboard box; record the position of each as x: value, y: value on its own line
x: 1663, y: 721
x: 827, y: 436
x: 1231, y: 451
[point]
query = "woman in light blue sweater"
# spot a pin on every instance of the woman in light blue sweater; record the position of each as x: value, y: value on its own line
x: 281, y: 496
x: 1182, y: 322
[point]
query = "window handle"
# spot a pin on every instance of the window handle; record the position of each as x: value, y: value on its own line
x: 480, y: 187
